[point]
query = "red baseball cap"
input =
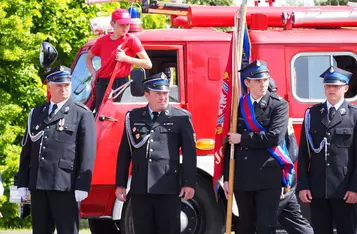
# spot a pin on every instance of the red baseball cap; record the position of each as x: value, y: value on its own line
x: 121, y: 16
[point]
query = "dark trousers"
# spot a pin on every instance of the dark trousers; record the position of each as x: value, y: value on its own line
x: 102, y: 85
x: 326, y: 212
x: 290, y: 216
x: 156, y: 214
x: 258, y: 211
x: 52, y: 209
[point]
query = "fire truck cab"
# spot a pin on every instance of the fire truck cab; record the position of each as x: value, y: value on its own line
x: 298, y: 43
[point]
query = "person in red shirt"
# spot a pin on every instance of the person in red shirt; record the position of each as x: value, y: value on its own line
x: 119, y: 46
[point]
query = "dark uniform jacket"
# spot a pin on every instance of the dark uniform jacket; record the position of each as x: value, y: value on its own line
x: 255, y: 168
x: 329, y: 175
x: 156, y: 158
x: 62, y: 158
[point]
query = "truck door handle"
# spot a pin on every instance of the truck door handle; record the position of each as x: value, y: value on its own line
x: 103, y: 118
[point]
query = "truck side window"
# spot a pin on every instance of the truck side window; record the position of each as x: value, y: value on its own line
x: 81, y: 79
x: 306, y: 69
x: 162, y: 61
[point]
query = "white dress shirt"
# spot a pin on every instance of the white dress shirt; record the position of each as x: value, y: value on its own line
x: 253, y: 100
x: 150, y: 111
x: 337, y: 105
x: 59, y: 106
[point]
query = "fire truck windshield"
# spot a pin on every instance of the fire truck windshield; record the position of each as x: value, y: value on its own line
x: 81, y: 79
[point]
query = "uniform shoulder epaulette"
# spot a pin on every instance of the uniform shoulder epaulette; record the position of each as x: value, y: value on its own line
x: 82, y: 105
x: 183, y: 111
x: 352, y: 105
x: 318, y: 105
x: 276, y: 96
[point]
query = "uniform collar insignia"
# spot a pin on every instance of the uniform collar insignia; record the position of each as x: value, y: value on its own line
x: 322, y: 110
x: 342, y: 111
x: 44, y: 108
x: 167, y: 112
x: 66, y: 109
x: 262, y: 103
x: 144, y: 112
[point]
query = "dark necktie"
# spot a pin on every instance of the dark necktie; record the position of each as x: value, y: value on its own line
x: 331, y: 113
x: 255, y: 105
x: 155, y: 116
x: 54, y: 108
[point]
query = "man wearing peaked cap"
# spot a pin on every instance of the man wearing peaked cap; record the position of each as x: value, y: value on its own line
x: 152, y: 139
x: 258, y: 172
x: 57, y: 157
x: 328, y: 158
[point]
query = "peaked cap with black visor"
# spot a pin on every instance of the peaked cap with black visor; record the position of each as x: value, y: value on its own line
x: 336, y: 76
x: 157, y: 82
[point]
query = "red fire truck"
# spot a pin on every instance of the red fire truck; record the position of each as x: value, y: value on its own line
x: 298, y: 43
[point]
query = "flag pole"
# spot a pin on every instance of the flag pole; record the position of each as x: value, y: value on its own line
x: 239, y: 18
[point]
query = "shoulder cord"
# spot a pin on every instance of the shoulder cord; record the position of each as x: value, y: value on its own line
x: 130, y: 136
x: 323, y: 143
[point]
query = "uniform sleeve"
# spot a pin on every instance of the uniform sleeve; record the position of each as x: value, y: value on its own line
x: 86, y: 147
x: 189, y: 157
x: 136, y: 45
x: 303, y: 161
x: 353, y: 183
x: 123, y: 161
x: 226, y: 158
x: 25, y: 159
x: 274, y: 134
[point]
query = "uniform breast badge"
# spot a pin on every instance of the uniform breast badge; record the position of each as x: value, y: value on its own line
x: 61, y: 124
x: 37, y: 127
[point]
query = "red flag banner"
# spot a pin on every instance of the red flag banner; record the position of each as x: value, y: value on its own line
x: 223, y: 120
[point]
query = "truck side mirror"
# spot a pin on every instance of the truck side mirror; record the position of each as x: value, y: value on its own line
x: 48, y: 55
x: 137, y: 75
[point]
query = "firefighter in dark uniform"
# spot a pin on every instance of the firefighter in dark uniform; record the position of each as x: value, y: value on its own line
x: 258, y: 175
x: 328, y: 158
x: 290, y: 215
x: 57, y: 158
x: 152, y: 138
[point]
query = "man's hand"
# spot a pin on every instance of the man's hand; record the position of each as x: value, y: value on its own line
x: 80, y: 195
x: 120, y: 55
x: 226, y: 188
x: 305, y: 196
x: 350, y: 197
x: 282, y: 196
x: 234, y: 138
x: 24, y: 193
x: 120, y: 193
x: 188, y: 191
